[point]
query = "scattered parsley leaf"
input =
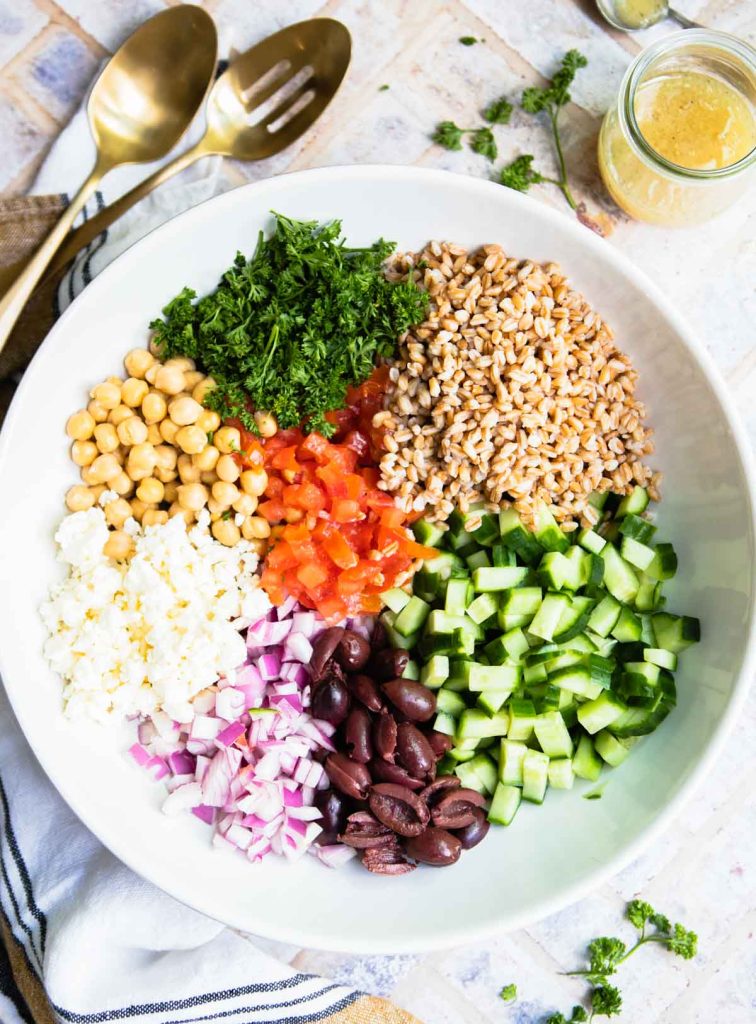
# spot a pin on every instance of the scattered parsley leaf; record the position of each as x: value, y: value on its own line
x: 606, y: 1001
x: 226, y: 514
x: 508, y: 993
x: 638, y: 913
x: 448, y: 135
x: 468, y: 40
x: 292, y: 327
x: 683, y: 943
x: 383, y: 88
x: 498, y: 111
x: 520, y: 175
x: 483, y: 142
x: 578, y: 1016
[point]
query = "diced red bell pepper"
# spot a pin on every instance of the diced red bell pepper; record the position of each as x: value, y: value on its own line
x: 339, y: 551
x: 344, y: 510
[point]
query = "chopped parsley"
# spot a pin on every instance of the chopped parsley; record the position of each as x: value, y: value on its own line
x: 468, y: 40
x: 384, y: 87
x: 520, y: 175
x: 498, y: 111
x: 509, y: 993
x: 288, y: 330
x: 449, y: 135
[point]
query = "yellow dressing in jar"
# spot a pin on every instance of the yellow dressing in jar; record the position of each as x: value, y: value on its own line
x: 639, y: 13
x: 681, y: 142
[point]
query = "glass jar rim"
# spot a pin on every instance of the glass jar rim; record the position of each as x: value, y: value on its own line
x: 634, y: 76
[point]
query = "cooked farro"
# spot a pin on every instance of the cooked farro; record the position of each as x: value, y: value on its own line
x: 512, y: 392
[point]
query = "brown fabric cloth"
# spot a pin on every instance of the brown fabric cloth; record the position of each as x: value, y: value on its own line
x: 24, y: 222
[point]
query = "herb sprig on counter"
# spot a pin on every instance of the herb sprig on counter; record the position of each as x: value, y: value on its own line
x: 290, y: 329
x: 449, y: 135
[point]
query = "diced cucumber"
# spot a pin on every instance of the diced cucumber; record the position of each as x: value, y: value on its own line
x: 586, y: 763
x: 675, y: 632
x: 637, y: 528
x: 573, y: 619
x: 561, y: 775
x: 635, y: 503
x: 427, y: 585
x: 492, y: 701
x: 490, y: 677
x: 429, y: 534
x: 412, y: 617
x: 549, y: 700
x: 552, y: 734
x: 412, y: 671
x: 435, y: 671
x: 495, y: 578
x: 535, y: 776
x: 547, y: 531
x: 591, y: 541
x: 458, y: 596
x: 475, y: 724
x: 533, y: 674
x: 522, y: 716
x: 501, y: 555
x: 450, y: 702
x: 601, y: 669
x: 478, y: 559
x: 649, y: 592
x: 397, y: 639
x: 484, y: 770
x: 488, y: 531
x: 664, y: 564
x: 517, y: 607
x: 577, y: 680
x: 547, y: 617
x: 628, y: 627
x: 557, y: 572
x: 511, y: 757
x: 612, y: 750
x: 463, y: 752
x: 517, y: 538
x: 395, y: 599
x: 637, y: 554
x: 598, y: 499
x: 619, y: 577
x: 596, y: 714
x: 446, y: 565
x: 658, y: 656
x: 482, y: 608
x: 604, y: 616
x: 506, y: 800
x: 445, y: 723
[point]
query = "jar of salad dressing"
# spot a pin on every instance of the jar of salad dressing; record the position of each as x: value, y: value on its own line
x: 680, y: 144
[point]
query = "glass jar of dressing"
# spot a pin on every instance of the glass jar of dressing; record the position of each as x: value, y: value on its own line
x: 680, y: 144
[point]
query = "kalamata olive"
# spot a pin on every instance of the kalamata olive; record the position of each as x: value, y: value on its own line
x: 323, y: 646
x: 333, y: 809
x: 389, y: 663
x: 363, y: 831
x: 414, y: 750
x: 399, y: 808
x: 475, y: 832
x: 442, y: 785
x: 353, y: 651
x: 385, y: 771
x: 384, y: 736
x: 348, y: 776
x: 440, y: 743
x: 456, y: 809
x: 387, y: 860
x: 379, y: 636
x: 357, y: 735
x: 415, y: 701
x: 434, y: 846
x: 366, y: 692
x: 330, y: 700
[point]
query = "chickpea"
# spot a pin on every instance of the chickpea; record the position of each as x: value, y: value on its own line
x: 134, y: 391
x: 106, y: 437
x: 104, y: 468
x: 170, y: 379
x: 184, y: 410
x: 118, y: 546
x: 97, y: 411
x: 118, y: 381
x: 98, y: 490
x: 80, y: 425
x: 132, y: 431
x: 166, y: 456
x: 152, y: 373
x: 168, y: 431
x: 215, y: 508
x: 187, y: 471
x: 227, y: 439
x: 89, y: 477
x: 258, y: 528
x: 203, y: 389
x: 260, y: 547
x: 192, y: 496
x: 138, y: 362
x: 170, y: 492
x: 208, y: 420
x: 107, y: 394
x: 192, y: 440
x: 254, y: 482
x: 266, y: 424
x: 154, y: 408
x: 141, y: 461
x: 154, y: 517
x: 245, y: 504
x: 138, y: 508
x: 209, y: 477
x: 150, y: 491
x: 154, y: 435
x: 117, y: 512
x: 165, y: 476
x: 79, y: 499
x: 226, y: 531
x: 119, y: 414
x: 225, y: 493
x: 187, y: 514
x: 154, y: 347
x: 193, y: 378
x: 83, y: 453
x: 122, y: 484
x: 227, y: 469
x: 206, y: 459
x: 183, y: 363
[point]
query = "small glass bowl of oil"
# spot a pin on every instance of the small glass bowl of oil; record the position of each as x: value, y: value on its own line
x: 680, y: 144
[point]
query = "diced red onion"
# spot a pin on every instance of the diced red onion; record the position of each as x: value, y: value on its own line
x: 204, y: 702
x: 230, y: 734
x: 333, y: 855
x: 205, y: 728
x: 229, y: 703
x: 183, y: 799
x: 269, y: 666
x: 140, y: 755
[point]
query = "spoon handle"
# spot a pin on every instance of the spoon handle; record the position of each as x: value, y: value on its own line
x: 682, y: 20
x: 16, y: 297
x: 91, y: 228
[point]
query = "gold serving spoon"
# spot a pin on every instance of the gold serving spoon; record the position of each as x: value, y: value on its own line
x: 265, y: 100
x: 140, y: 106
x: 633, y: 15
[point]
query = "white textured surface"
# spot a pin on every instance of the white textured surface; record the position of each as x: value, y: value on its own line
x: 703, y: 870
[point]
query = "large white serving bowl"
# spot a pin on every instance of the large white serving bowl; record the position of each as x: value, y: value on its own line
x: 551, y: 855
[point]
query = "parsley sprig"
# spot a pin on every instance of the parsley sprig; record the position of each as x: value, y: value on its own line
x: 290, y: 329
x: 449, y: 135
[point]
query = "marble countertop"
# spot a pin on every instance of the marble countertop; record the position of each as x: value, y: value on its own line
x: 702, y: 870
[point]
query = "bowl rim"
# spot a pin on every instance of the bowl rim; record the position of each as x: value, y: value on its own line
x: 403, y: 176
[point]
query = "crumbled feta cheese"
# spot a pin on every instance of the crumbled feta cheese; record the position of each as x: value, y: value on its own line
x: 147, y: 634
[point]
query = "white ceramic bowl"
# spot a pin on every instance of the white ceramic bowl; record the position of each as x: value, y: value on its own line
x: 552, y: 854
